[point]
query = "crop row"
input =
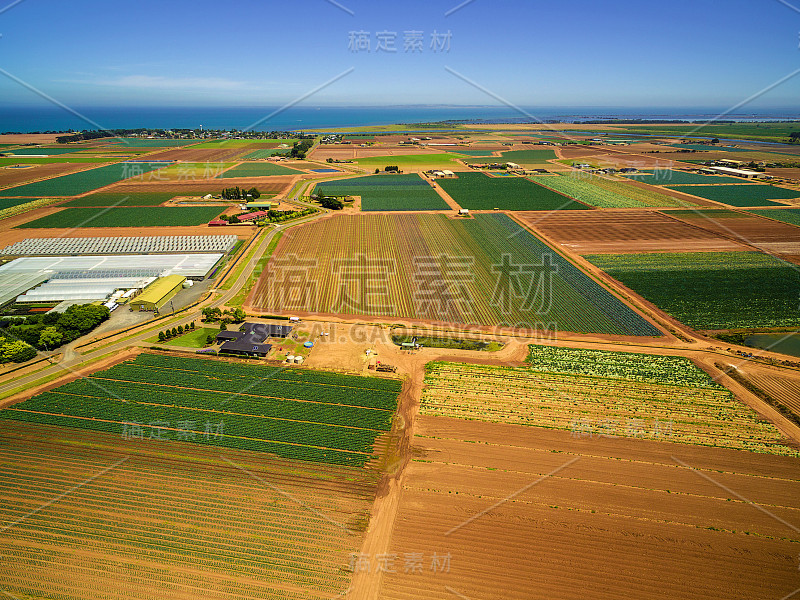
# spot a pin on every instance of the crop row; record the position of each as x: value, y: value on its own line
x: 594, y: 406
x: 654, y: 368
x: 605, y: 193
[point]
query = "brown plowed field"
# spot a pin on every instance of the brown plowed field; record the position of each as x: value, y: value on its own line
x: 10, y: 177
x: 624, y: 231
x: 624, y: 520
x: 771, y: 236
x: 784, y: 389
x: 202, y: 154
x: 171, y: 520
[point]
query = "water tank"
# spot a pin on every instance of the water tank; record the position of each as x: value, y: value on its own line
x: 298, y: 359
x: 290, y: 358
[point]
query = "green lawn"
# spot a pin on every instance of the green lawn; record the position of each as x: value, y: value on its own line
x: 193, y: 339
x: 478, y: 191
x: 85, y: 181
x: 259, y: 169
x: 126, y: 216
x: 740, y: 195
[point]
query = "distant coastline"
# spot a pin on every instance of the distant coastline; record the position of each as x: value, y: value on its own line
x: 47, y: 118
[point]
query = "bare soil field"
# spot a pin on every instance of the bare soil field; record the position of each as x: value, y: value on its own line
x: 29, y: 138
x: 785, y: 173
x: 785, y: 390
x: 173, y: 520
x: 766, y: 234
x: 512, y: 512
x: 10, y: 176
x: 625, y: 231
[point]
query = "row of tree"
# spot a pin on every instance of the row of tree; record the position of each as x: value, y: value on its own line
x: 236, y: 193
x: 300, y: 148
x: 168, y: 334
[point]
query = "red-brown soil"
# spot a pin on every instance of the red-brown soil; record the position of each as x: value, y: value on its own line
x: 624, y: 231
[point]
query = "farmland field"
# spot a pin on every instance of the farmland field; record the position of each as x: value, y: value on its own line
x: 520, y: 156
x: 126, y: 216
x: 410, y: 161
x: 165, y: 519
x: 110, y: 199
x: 673, y: 177
x: 529, y: 513
x: 15, y: 176
x: 605, y: 193
x: 295, y: 414
x: 485, y: 270
x: 786, y: 215
x: 625, y: 231
x: 740, y: 195
x: 190, y: 171
x: 387, y: 192
x: 264, y: 153
x: 85, y: 181
x: 478, y: 191
x: 246, y: 144
x: 593, y: 393
x: 712, y: 290
x: 48, y: 151
x: 261, y: 169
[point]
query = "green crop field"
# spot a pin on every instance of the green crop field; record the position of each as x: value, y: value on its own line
x: 62, y: 158
x: 485, y: 270
x: 606, y: 193
x: 786, y: 215
x: 712, y: 290
x: 387, y: 192
x: 596, y: 395
x: 410, y: 161
x: 298, y: 414
x: 474, y: 152
x: 9, y: 202
x: 705, y: 147
x: 117, y: 199
x: 264, y: 153
x: 82, y: 182
x: 478, y: 191
x: 260, y: 169
x: 126, y: 216
x: 48, y: 151
x: 672, y: 177
x: 522, y: 157
x: 740, y: 195
x: 145, y: 143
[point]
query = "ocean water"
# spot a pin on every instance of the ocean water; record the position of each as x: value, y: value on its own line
x: 52, y: 118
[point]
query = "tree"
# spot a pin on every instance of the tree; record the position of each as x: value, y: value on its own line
x: 180, y: 329
x: 192, y: 325
x: 174, y: 332
x: 254, y: 193
x: 391, y: 168
x: 794, y: 136
x: 238, y: 315
x: 161, y: 336
x: 209, y: 339
x: 16, y: 352
x: 233, y: 219
x: 331, y: 203
x: 50, y: 337
x: 377, y: 170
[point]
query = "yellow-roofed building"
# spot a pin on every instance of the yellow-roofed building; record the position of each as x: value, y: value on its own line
x: 158, y: 293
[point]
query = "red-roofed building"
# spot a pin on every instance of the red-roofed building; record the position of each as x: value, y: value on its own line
x: 252, y: 216
x: 217, y: 223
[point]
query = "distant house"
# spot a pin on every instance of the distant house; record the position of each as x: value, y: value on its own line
x: 217, y: 223
x: 448, y: 173
x: 252, y: 216
x: 512, y: 165
x: 262, y: 331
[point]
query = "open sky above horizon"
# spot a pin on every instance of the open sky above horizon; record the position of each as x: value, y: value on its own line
x: 581, y: 53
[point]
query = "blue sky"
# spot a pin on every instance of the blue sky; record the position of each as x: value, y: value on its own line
x: 267, y: 52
